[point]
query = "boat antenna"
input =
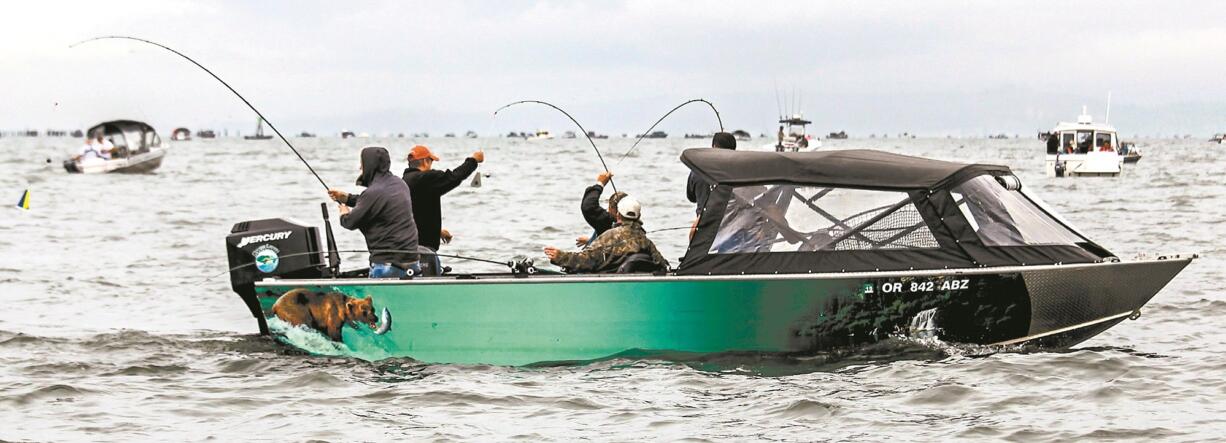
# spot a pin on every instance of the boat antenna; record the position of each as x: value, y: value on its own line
x: 778, y: 101
x: 223, y: 82
x: 793, y: 102
x: 1108, y: 118
x: 576, y: 122
x: 653, y: 125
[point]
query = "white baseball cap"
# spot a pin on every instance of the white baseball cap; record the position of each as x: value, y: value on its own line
x: 629, y: 208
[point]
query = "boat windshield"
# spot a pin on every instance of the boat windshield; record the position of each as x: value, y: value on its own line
x: 1067, y: 145
x: 1004, y: 217
x: 790, y: 218
x: 1103, y: 141
x: 1084, y: 140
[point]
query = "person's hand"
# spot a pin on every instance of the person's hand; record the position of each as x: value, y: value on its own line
x: 344, y: 210
x: 338, y: 195
x: 580, y: 241
x: 444, y: 235
x: 552, y: 252
x: 604, y: 178
x: 479, y: 156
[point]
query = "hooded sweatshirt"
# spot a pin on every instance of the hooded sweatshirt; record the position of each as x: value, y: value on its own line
x: 384, y: 212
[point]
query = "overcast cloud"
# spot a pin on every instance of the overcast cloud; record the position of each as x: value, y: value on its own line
x: 927, y: 67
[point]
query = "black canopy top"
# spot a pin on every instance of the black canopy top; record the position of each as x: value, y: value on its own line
x: 795, y: 121
x: 860, y: 168
x: 123, y: 125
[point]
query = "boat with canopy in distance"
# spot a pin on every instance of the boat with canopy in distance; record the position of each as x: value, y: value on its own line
x: 137, y: 149
x: 794, y: 254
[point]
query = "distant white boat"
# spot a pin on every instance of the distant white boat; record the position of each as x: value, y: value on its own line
x: 793, y: 135
x: 181, y: 134
x: 1083, y: 148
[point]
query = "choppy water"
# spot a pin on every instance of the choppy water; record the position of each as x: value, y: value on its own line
x: 113, y: 330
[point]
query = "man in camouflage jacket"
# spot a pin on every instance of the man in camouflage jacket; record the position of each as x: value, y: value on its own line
x: 611, y: 248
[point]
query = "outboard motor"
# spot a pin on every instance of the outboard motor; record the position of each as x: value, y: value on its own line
x: 274, y: 247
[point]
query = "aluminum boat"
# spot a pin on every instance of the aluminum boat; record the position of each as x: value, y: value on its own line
x: 794, y: 254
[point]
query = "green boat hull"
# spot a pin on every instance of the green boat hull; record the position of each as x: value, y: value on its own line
x: 518, y: 321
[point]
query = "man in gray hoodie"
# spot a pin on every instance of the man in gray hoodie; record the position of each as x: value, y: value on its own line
x: 384, y: 214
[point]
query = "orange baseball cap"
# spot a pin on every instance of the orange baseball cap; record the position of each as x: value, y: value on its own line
x: 420, y: 152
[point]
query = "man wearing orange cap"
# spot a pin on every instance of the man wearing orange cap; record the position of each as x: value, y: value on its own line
x: 428, y: 185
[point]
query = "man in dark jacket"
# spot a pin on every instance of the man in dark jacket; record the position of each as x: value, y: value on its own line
x: 696, y: 189
x: 428, y: 186
x: 384, y: 215
x: 600, y: 219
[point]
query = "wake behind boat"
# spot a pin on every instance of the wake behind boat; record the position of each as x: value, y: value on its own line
x: 121, y: 146
x: 795, y: 253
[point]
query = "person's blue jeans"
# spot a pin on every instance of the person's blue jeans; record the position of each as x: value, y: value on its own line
x: 387, y: 270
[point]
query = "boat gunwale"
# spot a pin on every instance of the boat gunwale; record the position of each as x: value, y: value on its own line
x: 503, y: 278
x: 112, y: 165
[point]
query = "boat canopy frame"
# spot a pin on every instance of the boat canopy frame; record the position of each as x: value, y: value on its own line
x: 909, y: 213
x: 118, y: 132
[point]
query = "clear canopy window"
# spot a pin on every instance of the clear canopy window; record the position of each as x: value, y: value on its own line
x: 789, y: 218
x: 1005, y: 217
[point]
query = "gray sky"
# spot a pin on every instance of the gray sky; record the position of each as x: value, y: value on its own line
x: 926, y: 67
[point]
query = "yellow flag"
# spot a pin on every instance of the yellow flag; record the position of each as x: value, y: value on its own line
x: 24, y: 203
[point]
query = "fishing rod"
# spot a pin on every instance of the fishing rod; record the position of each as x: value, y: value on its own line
x: 576, y: 122
x: 300, y: 254
x: 223, y: 82
x: 653, y: 125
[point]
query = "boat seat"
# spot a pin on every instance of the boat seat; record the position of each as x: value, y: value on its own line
x: 431, y: 266
x: 640, y: 262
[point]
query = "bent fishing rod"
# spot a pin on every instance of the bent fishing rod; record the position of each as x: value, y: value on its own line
x: 653, y: 125
x: 576, y: 122
x: 223, y: 82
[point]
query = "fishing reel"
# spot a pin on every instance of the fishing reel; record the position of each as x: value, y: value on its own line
x: 522, y: 267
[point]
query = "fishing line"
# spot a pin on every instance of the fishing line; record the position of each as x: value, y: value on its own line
x: 653, y: 125
x: 669, y: 229
x: 223, y: 82
x: 576, y: 122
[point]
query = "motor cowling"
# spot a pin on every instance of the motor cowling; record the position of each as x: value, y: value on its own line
x: 260, y: 249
